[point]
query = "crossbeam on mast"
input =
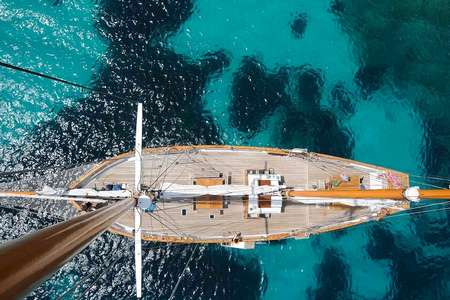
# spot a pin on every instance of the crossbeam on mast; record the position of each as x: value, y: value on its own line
x: 137, y: 210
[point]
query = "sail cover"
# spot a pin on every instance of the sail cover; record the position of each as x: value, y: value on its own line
x: 372, y: 203
x: 173, y: 190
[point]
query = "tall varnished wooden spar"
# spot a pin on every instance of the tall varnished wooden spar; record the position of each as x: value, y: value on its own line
x: 26, y: 262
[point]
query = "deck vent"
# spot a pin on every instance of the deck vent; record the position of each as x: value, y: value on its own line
x: 212, y: 216
x: 183, y: 212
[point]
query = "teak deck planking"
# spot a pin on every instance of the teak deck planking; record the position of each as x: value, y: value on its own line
x: 211, y: 164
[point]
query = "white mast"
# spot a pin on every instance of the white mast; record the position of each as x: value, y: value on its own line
x: 137, y: 210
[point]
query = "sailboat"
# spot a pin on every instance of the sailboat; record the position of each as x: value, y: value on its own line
x: 235, y: 196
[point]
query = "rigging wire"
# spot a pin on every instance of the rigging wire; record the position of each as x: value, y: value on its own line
x: 107, y: 269
x: 60, y: 80
x: 28, y: 210
x: 175, y: 207
x: 206, y: 161
x: 166, y: 155
x: 110, y: 265
x: 34, y: 73
x: 427, y: 205
x: 339, y: 168
x: 398, y: 215
x: 431, y: 177
x: 179, y: 174
x: 406, y: 213
x: 172, y: 183
x: 80, y: 282
x: 165, y: 170
x: 165, y: 161
x: 162, y: 223
x: 173, y: 222
x: 168, y: 220
x: 417, y: 213
x: 19, y: 176
x: 172, y: 295
x: 427, y: 184
x: 201, y: 228
x: 63, y: 167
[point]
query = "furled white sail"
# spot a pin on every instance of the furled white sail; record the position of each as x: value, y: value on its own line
x: 173, y: 190
x: 373, y: 203
x: 98, y: 194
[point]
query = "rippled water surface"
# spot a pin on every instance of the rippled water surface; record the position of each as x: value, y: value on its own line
x: 363, y: 79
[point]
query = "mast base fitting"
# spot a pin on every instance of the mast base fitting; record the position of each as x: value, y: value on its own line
x: 412, y: 194
x: 145, y: 203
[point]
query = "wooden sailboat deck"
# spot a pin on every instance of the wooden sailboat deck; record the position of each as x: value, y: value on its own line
x: 181, y: 220
x: 197, y: 224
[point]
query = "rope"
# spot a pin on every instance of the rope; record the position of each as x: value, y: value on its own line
x: 172, y: 295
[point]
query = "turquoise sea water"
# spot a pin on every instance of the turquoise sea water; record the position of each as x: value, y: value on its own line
x: 362, y: 79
